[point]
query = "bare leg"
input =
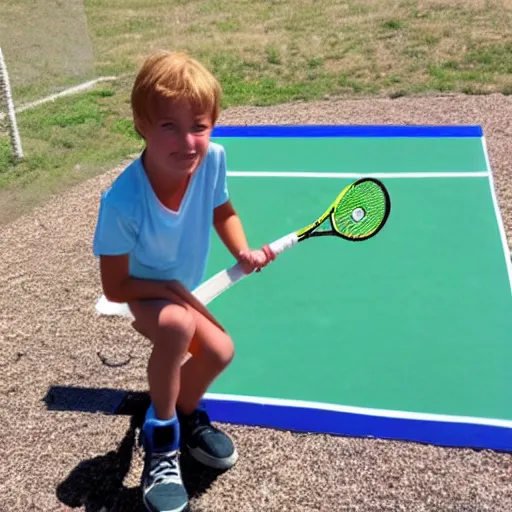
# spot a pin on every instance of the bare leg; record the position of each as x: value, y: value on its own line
x: 174, y: 385
x: 215, y: 351
x: 170, y: 327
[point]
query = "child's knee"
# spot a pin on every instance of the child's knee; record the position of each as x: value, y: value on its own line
x: 177, y: 322
x: 223, y: 352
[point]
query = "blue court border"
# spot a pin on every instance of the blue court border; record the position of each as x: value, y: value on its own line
x: 323, y: 421
x: 315, y: 420
x: 347, y: 131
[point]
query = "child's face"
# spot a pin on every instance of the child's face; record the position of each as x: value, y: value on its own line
x: 177, y: 140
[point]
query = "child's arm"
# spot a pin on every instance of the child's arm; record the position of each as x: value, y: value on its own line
x: 229, y: 227
x: 119, y: 286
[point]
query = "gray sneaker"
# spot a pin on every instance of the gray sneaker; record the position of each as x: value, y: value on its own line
x: 162, y: 484
x: 206, y: 443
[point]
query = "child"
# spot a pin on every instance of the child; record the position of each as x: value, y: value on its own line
x: 152, y: 239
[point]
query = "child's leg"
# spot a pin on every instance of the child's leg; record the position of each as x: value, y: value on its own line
x: 214, y: 352
x: 182, y: 387
x: 170, y: 327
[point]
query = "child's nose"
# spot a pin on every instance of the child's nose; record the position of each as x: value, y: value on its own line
x: 188, y: 140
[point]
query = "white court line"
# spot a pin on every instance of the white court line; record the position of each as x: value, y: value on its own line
x: 354, y: 175
x: 395, y: 175
x: 385, y: 413
x: 499, y: 218
x: 72, y: 90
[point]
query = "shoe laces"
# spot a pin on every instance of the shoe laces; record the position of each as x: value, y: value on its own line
x: 165, y: 468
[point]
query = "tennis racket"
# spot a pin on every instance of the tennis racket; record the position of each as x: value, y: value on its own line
x: 358, y: 213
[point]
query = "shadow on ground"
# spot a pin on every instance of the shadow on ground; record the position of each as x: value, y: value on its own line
x: 97, y: 484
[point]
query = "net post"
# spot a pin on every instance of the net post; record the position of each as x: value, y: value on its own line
x: 5, y: 91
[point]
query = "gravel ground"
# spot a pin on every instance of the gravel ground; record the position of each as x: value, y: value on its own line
x: 56, y: 460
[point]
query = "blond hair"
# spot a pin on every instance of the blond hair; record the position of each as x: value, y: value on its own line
x: 175, y: 76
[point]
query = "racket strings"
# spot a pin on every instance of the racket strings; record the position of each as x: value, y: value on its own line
x: 360, y: 211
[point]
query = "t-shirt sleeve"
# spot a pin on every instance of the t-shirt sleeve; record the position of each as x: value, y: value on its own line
x: 116, y: 230
x: 221, y: 193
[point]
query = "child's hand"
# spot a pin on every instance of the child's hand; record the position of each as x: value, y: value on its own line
x: 255, y: 260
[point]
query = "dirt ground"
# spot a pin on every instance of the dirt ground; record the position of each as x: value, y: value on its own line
x: 60, y: 451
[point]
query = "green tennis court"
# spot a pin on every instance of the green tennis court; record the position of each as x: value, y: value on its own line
x: 407, y: 335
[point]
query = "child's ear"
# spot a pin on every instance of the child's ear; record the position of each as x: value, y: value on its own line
x: 139, y: 128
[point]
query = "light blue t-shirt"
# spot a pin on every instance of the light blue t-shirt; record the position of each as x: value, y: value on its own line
x: 162, y: 244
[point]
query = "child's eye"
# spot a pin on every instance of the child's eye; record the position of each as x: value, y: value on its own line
x: 200, y: 127
x: 168, y: 126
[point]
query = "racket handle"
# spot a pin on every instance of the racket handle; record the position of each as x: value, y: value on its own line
x: 219, y: 283
x: 281, y: 244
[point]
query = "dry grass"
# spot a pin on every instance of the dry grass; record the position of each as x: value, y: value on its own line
x: 263, y: 51
x: 310, y: 48
x: 46, y: 45
x: 391, y: 47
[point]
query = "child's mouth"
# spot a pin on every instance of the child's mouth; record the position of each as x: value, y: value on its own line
x: 188, y: 156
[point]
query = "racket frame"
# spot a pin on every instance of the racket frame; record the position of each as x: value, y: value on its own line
x: 310, y: 231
